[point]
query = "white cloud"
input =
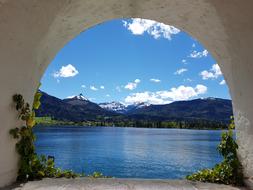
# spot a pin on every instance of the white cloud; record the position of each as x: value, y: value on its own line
x: 93, y: 88
x: 107, y: 95
x: 83, y: 86
x: 183, y: 92
x: 216, y: 69
x: 132, y: 85
x: 180, y: 71
x: 155, y: 80
x: 137, y: 80
x: 149, y: 97
x: 213, y: 73
x: 223, y: 82
x: 139, y: 26
x: 102, y: 87
x: 200, y: 89
x: 66, y: 71
x: 163, y: 97
x: 196, y: 54
x: 184, y: 61
x: 125, y: 23
x: 207, y: 75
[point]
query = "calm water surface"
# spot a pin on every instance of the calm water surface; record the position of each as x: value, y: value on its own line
x: 129, y: 152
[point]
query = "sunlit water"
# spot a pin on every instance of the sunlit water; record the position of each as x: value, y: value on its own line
x: 129, y: 152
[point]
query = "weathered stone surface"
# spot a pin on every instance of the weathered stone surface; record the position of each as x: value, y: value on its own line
x: 33, y: 31
x: 120, y: 184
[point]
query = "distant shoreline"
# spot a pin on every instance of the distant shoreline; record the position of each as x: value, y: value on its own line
x: 198, y: 125
x: 46, y: 125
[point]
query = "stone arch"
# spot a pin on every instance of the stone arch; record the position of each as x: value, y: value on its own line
x: 33, y: 31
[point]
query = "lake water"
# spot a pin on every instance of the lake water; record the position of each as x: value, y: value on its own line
x: 129, y: 152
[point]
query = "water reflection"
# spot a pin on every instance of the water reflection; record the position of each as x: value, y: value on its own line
x: 130, y: 152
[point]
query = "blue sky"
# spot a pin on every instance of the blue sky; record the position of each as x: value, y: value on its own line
x: 134, y: 60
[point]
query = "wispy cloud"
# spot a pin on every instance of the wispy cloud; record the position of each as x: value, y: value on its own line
x: 102, y: 87
x: 132, y: 85
x: 180, y: 71
x: 118, y: 88
x: 162, y: 97
x: 66, y: 71
x: 155, y: 80
x: 139, y: 26
x: 93, y: 88
x: 188, y: 80
x: 199, y: 54
x: 184, y: 61
x: 223, y: 82
x: 83, y: 86
x: 213, y: 73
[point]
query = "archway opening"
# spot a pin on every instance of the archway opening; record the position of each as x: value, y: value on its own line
x: 31, y: 38
x: 153, y: 76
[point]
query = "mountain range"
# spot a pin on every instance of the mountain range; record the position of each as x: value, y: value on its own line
x: 78, y: 108
x: 122, y: 108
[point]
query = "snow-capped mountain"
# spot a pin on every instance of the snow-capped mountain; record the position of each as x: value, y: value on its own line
x: 122, y: 108
x: 114, y: 106
x: 78, y: 108
x: 75, y: 108
x: 81, y: 97
x: 77, y: 100
x: 138, y: 105
x: 78, y: 97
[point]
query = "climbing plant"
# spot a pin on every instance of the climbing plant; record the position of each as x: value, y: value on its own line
x: 229, y: 171
x: 31, y: 165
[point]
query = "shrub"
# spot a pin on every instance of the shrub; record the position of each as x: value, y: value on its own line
x: 229, y: 171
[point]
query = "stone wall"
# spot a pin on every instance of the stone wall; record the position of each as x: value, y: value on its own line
x: 33, y: 31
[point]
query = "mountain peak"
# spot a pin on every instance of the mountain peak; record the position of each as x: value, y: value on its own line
x: 78, y: 97
x: 113, y: 106
x: 81, y: 97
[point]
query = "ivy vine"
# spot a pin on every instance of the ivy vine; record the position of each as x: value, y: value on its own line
x: 31, y: 165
